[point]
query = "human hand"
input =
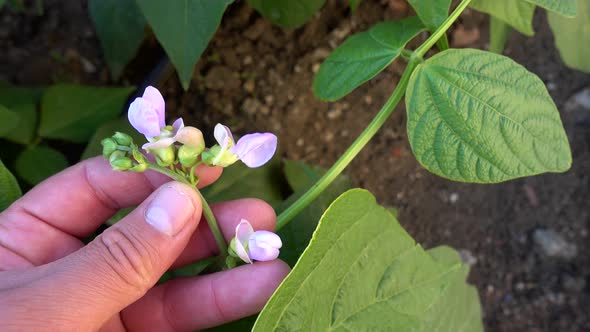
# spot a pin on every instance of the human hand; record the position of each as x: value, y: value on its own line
x: 51, y: 281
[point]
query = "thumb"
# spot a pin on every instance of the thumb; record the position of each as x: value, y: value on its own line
x: 126, y: 260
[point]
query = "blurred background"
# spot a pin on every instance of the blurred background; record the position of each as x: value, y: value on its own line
x: 527, y: 240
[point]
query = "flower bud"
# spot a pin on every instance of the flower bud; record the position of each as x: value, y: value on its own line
x: 139, y: 157
x: 192, y: 137
x: 164, y: 156
x: 122, y: 139
x: 139, y: 168
x: 188, y: 155
x: 108, y: 147
x: 121, y: 163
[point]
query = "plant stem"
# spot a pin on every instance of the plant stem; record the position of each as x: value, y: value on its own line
x: 443, y: 43
x: 389, y: 106
x: 442, y: 30
x: 209, y: 216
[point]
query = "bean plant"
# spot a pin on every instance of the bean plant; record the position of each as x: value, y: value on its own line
x: 472, y: 116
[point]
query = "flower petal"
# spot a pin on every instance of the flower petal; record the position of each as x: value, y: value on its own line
x: 255, y: 150
x: 223, y: 136
x: 159, y: 144
x: 264, y: 246
x: 243, y: 232
x: 177, y: 125
x: 144, y: 118
x: 154, y: 97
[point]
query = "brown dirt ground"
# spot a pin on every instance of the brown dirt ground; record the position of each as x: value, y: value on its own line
x: 257, y: 76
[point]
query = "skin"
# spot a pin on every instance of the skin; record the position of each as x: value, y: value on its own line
x: 51, y: 281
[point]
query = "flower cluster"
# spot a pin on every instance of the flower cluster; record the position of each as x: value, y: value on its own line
x: 178, y: 149
x: 182, y: 145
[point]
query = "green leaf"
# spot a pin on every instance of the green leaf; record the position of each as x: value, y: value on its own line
x: 475, y: 116
x: 240, y: 181
x: 297, y: 234
x: 184, y: 28
x: 8, y: 120
x: 120, y: 28
x: 22, y: 101
x: 362, y: 56
x: 516, y: 13
x: 362, y: 272
x: 432, y: 12
x: 73, y: 112
x: 459, y: 308
x: 354, y: 4
x: 499, y: 32
x: 38, y: 163
x: 94, y: 148
x: 9, y: 188
x: 562, y: 7
x: 288, y: 14
x: 572, y: 37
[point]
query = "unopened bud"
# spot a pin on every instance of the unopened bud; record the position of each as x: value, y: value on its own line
x: 139, y: 157
x: 164, y: 156
x: 188, y: 155
x: 139, y: 168
x: 122, y: 139
x: 108, y: 147
x: 121, y: 164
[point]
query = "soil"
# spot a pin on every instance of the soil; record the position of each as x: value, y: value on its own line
x: 258, y: 76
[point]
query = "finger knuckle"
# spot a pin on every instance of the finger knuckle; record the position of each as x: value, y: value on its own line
x: 129, y: 258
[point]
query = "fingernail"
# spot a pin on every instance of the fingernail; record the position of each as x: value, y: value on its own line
x: 169, y: 211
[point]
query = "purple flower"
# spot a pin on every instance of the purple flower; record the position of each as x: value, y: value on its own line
x: 254, y: 150
x: 146, y: 113
x: 259, y: 245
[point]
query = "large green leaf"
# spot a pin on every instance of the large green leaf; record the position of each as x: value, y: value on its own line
x: 516, y: 13
x: 362, y: 56
x: 288, y: 14
x: 363, y: 272
x: 184, y: 28
x: 8, y: 120
x: 38, y: 163
x: 432, y: 12
x: 572, y: 37
x: 120, y: 27
x: 22, y: 101
x: 499, y: 32
x: 563, y: 7
x: 94, y: 148
x: 9, y: 188
x: 239, y: 181
x: 475, y: 116
x: 297, y: 233
x: 73, y: 112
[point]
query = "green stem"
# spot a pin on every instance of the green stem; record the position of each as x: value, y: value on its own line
x: 443, y: 43
x: 349, y: 154
x: 442, y: 30
x: 415, y: 59
x: 209, y: 216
